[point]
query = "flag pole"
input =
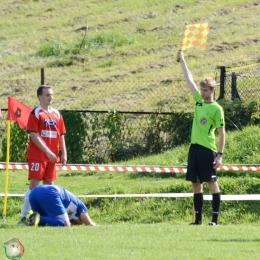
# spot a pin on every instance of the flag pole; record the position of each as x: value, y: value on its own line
x: 7, y: 169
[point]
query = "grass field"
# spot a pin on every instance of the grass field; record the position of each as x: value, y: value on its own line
x: 139, y: 242
x: 131, y: 41
x: 117, y: 237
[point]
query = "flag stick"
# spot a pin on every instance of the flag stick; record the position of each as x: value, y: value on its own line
x: 7, y: 170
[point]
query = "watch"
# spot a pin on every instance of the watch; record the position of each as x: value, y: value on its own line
x: 220, y: 153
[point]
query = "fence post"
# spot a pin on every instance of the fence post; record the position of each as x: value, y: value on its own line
x: 234, y: 92
x: 222, y: 81
x: 42, y: 76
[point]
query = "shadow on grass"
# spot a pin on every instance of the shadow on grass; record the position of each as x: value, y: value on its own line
x: 139, y: 175
x: 241, y: 240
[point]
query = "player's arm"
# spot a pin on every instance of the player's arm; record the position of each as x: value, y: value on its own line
x: 63, y: 150
x: 67, y: 221
x: 37, y: 140
x: 222, y: 139
x: 85, y: 219
x: 187, y: 74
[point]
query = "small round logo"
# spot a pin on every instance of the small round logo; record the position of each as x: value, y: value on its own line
x: 203, y: 121
x: 14, y: 249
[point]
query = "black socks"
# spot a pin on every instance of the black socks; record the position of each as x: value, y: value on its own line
x: 215, y: 207
x: 198, y: 207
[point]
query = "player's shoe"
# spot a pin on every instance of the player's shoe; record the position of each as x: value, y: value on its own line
x: 22, y: 221
x: 213, y: 223
x: 29, y: 214
x: 195, y: 224
x: 34, y: 219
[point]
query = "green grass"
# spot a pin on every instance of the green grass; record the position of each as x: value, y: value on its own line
x: 132, y: 41
x: 124, y: 241
x: 242, y: 147
x: 137, y: 39
x: 148, y: 25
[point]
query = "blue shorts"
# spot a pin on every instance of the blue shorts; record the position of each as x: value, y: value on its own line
x: 47, y: 201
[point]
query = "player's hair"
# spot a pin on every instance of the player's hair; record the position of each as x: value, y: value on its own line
x: 208, y: 82
x: 41, y: 88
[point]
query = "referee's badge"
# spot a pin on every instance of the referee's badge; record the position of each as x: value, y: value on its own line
x: 203, y: 121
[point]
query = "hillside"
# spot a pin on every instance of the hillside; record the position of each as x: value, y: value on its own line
x: 148, y: 35
x: 111, y: 41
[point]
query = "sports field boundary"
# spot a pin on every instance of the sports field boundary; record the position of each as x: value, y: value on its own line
x: 125, y: 168
x: 235, y: 197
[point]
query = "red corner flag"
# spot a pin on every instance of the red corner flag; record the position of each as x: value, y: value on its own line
x: 18, y: 111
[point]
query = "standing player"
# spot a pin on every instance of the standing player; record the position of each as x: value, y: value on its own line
x: 46, y: 128
x: 54, y: 206
x: 204, y: 158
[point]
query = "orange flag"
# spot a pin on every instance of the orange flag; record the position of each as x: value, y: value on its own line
x: 18, y: 111
x: 195, y: 36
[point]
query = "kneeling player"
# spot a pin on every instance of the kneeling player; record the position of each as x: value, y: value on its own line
x: 54, y: 206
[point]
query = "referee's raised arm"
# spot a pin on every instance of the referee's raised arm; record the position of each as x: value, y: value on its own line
x: 186, y: 72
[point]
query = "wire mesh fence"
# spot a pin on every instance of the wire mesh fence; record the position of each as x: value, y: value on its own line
x: 135, y: 95
x: 243, y: 83
x: 143, y: 105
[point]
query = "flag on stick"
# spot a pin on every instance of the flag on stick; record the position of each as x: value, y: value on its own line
x: 18, y: 111
x: 195, y: 36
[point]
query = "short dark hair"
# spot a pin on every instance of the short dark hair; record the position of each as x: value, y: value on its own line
x: 41, y: 88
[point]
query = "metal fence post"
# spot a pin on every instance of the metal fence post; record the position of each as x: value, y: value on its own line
x: 222, y: 81
x: 234, y: 92
x: 42, y: 76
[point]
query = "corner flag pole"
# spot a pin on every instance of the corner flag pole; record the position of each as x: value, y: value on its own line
x: 7, y: 170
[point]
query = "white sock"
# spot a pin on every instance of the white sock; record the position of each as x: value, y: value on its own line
x: 26, y: 204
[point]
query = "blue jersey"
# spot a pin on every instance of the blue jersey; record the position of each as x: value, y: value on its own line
x: 55, y: 201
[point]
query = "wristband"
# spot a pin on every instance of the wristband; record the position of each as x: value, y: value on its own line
x: 220, y: 153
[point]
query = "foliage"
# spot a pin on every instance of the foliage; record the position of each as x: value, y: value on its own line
x: 18, y: 144
x: 239, y: 114
x: 76, y: 128
x: 113, y: 136
x: 110, y: 138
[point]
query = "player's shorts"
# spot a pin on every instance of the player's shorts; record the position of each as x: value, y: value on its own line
x: 40, y: 170
x: 200, y: 164
x: 47, y: 202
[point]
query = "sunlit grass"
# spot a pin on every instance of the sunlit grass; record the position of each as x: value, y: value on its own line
x: 158, y: 241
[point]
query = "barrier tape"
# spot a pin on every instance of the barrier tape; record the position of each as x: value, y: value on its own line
x: 122, y: 168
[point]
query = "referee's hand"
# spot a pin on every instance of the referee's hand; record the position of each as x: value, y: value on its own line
x: 217, y: 162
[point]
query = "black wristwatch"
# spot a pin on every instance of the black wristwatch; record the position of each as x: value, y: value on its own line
x: 220, y: 153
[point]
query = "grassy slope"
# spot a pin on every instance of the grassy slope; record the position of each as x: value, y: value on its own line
x: 154, y: 27
x: 131, y: 41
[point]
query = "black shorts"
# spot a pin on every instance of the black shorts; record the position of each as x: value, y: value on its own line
x: 200, y: 164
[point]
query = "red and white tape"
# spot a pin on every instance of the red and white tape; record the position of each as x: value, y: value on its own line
x: 122, y: 168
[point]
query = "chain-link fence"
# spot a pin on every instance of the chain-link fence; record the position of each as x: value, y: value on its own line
x: 135, y: 95
x: 242, y: 82
x: 108, y: 94
x: 138, y: 101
